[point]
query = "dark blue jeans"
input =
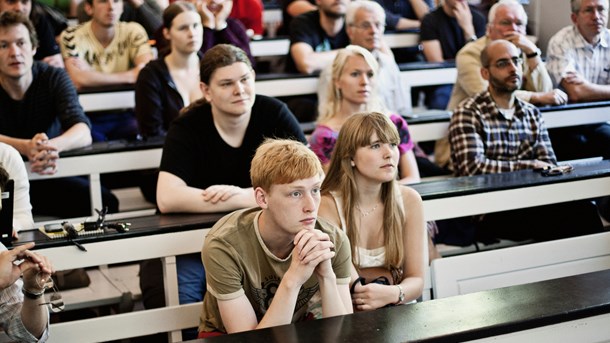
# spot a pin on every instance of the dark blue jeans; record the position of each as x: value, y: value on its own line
x: 113, y: 125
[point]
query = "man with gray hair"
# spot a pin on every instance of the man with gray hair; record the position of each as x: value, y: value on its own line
x: 365, y: 24
x: 579, y: 62
x: 507, y: 20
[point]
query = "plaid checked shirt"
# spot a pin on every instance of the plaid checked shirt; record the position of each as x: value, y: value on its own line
x: 11, y: 300
x: 484, y: 142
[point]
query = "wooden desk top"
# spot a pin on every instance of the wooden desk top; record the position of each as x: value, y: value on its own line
x: 454, y: 319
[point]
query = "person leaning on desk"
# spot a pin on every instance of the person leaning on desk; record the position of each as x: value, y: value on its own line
x: 21, y: 315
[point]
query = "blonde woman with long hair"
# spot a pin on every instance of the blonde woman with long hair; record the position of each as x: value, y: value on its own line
x: 384, y: 221
x: 353, y: 89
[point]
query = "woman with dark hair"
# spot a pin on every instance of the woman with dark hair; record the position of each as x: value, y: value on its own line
x: 384, y: 221
x: 168, y: 84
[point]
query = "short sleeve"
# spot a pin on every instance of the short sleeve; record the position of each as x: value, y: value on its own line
x: 223, y: 275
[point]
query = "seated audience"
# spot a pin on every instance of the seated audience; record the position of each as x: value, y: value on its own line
x: 11, y: 161
x: 444, y: 32
x: 383, y: 220
x: 354, y: 89
x: 507, y: 20
x: 23, y: 316
x: 578, y: 60
x: 41, y: 117
x: 405, y: 14
x: 494, y: 132
x: 264, y: 264
x: 48, y: 49
x: 208, y: 149
x: 167, y: 85
x: 218, y: 28
x: 104, y: 51
x: 144, y: 12
x: 364, y: 26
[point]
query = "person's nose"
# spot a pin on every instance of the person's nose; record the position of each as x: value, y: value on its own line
x: 239, y: 87
x: 309, y: 203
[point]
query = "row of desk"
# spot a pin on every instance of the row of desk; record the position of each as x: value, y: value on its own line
x: 276, y: 85
x: 169, y: 235
x: 117, y: 156
x: 571, y: 309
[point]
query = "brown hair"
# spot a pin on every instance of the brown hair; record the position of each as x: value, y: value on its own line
x: 174, y: 9
x: 281, y: 161
x: 356, y: 132
x: 219, y: 56
x: 10, y: 19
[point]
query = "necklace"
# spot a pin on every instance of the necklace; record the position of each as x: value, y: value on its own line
x: 366, y: 213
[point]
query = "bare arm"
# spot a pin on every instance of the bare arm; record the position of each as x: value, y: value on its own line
x: 408, y: 168
x: 580, y: 90
x: 174, y: 195
x: 404, y: 24
x: 76, y: 136
x: 414, y: 236
x: 83, y: 76
x: 307, y: 60
x: 433, y: 51
x: 420, y: 8
x: 298, y: 7
x: 54, y: 60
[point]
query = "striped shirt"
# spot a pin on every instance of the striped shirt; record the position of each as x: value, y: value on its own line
x: 11, y: 300
x: 483, y: 141
x: 568, y: 51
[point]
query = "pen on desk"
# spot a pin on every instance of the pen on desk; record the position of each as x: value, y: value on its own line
x: 79, y: 246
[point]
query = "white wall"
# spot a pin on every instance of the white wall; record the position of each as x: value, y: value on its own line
x: 548, y: 17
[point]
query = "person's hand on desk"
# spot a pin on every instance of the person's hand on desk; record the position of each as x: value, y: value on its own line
x: 42, y: 154
x: 554, y: 97
x: 218, y: 193
x: 541, y: 165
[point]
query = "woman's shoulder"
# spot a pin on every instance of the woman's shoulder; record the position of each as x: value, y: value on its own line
x: 409, y: 195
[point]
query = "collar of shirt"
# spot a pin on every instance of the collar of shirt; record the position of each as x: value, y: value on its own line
x: 581, y: 42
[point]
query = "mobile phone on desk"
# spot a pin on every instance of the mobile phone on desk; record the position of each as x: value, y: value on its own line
x: 53, y: 228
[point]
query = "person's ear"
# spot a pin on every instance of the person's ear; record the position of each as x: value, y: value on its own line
x: 261, y: 198
x: 166, y: 33
x: 89, y: 9
x: 205, y: 90
x: 485, y: 73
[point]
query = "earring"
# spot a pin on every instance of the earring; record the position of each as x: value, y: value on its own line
x: 352, y: 163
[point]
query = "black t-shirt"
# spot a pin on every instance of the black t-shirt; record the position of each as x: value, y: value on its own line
x: 50, y: 105
x: 195, y: 152
x: 437, y: 25
x: 47, y: 45
x: 306, y: 28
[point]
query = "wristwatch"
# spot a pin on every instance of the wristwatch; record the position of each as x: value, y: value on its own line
x: 533, y: 54
x: 472, y: 38
x: 32, y: 295
x: 401, y: 295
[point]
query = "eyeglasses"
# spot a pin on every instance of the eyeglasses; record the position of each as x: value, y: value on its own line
x: 56, y: 302
x: 368, y: 25
x: 505, y: 62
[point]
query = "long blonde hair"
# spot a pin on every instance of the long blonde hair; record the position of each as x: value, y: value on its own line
x: 356, y: 132
x: 332, y: 105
